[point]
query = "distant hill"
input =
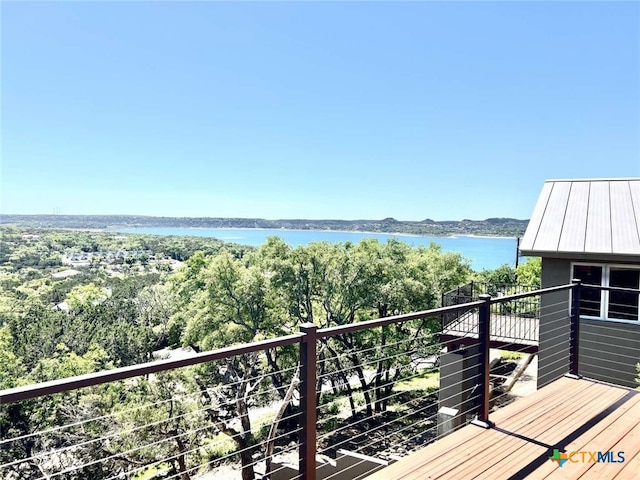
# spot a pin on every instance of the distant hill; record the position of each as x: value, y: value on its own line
x: 508, y: 227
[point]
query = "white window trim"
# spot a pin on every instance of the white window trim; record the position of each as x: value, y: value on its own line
x: 604, y: 294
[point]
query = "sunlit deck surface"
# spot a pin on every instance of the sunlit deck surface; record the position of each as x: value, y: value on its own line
x: 571, y: 415
x: 506, y: 330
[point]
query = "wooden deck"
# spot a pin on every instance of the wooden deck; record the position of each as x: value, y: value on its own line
x: 506, y: 331
x: 570, y: 415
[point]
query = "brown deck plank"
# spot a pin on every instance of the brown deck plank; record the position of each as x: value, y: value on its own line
x: 509, y: 451
x: 473, y: 438
x: 604, y: 441
x: 516, y: 416
x: 497, y: 443
x: 631, y: 469
x: 527, y: 429
x: 629, y: 442
x: 466, y: 435
x: 585, y: 441
x: 550, y: 433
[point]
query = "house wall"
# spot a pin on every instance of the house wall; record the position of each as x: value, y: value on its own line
x: 608, y: 351
x: 459, y: 374
x: 553, y: 354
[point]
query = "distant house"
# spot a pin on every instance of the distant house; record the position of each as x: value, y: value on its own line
x: 63, y: 306
x: 590, y: 230
x: 65, y: 273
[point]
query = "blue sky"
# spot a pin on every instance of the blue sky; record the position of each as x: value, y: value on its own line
x: 347, y: 110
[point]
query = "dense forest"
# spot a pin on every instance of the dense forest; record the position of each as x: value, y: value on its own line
x: 508, y: 227
x: 74, y: 302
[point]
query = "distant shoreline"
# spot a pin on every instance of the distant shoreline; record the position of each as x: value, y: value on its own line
x: 491, y: 227
x: 353, y: 232
x: 486, y: 236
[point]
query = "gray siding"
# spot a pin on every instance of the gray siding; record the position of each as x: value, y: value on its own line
x: 459, y: 373
x: 553, y: 354
x: 609, y: 351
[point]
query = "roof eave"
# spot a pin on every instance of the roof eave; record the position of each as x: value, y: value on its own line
x: 594, y: 256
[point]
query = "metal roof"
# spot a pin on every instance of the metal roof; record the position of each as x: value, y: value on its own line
x: 585, y: 216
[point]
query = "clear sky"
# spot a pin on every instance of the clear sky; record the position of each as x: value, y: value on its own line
x: 412, y: 110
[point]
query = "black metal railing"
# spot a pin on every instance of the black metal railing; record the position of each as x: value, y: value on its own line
x: 513, y: 318
x: 460, y: 295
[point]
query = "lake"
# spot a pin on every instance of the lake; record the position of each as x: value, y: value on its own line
x: 484, y: 252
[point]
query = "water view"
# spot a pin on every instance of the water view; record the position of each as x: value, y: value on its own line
x: 484, y: 252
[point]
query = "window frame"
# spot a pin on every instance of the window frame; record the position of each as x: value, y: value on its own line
x: 604, y: 294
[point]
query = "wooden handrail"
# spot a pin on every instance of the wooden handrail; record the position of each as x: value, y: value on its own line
x: 27, y: 392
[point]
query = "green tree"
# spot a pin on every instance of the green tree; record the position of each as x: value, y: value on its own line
x: 35, y: 416
x: 530, y: 272
x: 84, y: 296
x: 155, y: 305
x: 236, y: 309
x: 338, y: 284
x: 497, y: 279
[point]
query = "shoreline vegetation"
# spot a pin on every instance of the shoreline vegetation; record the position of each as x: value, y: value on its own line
x: 491, y: 227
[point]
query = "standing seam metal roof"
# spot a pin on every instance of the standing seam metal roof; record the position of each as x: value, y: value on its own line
x: 586, y: 217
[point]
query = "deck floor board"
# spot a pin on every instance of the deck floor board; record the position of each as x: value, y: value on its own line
x: 568, y: 414
x: 617, y: 421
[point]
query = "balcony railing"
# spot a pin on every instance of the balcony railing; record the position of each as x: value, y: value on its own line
x: 514, y: 320
x: 335, y: 402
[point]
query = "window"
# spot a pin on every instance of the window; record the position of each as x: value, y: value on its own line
x: 610, y: 305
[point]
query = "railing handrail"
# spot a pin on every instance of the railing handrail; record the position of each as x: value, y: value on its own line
x: 27, y: 392
x: 533, y: 293
x: 384, y: 321
x: 488, y: 283
x: 612, y: 289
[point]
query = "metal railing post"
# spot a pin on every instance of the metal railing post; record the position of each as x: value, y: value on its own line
x: 574, y: 336
x: 484, y: 320
x: 308, y: 420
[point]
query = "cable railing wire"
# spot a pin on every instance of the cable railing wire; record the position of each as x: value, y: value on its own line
x: 471, y: 367
x: 376, y: 347
x: 393, y: 395
x: 165, y: 459
x: 414, y: 412
x: 120, y: 434
x: 191, y: 397
x: 380, y: 413
x: 372, y: 362
x: 429, y: 419
x: 420, y: 434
